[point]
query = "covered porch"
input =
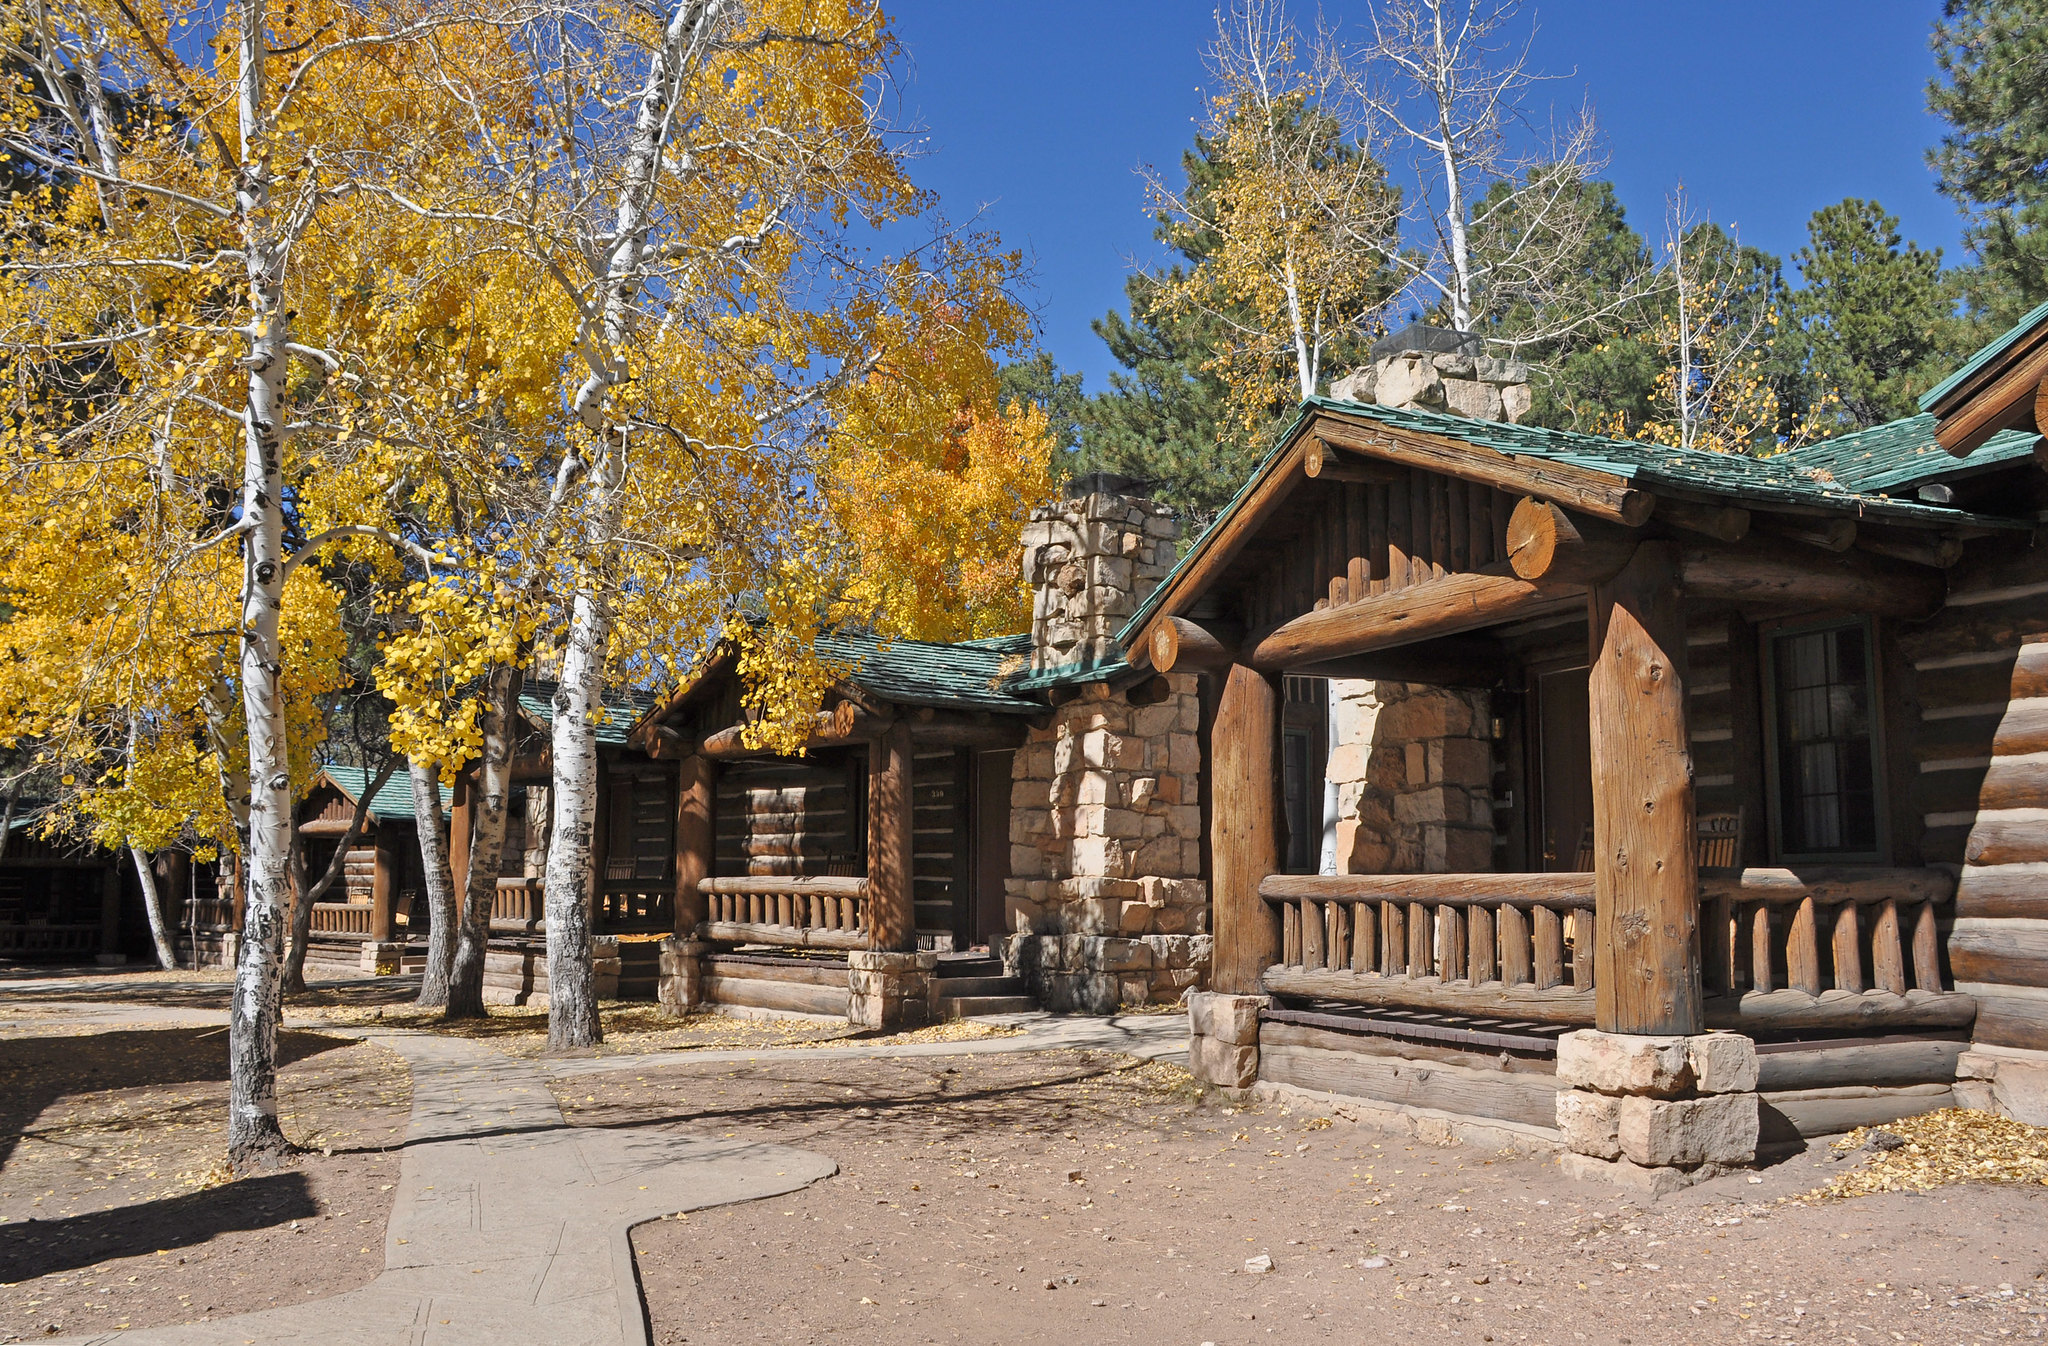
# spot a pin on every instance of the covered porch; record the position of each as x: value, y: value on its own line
x: 1679, y: 796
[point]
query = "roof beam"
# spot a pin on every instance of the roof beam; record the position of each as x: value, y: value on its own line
x: 2007, y: 401
x: 1600, y: 494
x: 1449, y: 606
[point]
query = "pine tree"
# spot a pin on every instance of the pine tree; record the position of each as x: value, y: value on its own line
x: 1878, y: 316
x: 1993, y: 91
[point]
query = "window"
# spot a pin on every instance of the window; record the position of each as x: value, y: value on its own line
x: 1304, y: 757
x: 1823, y: 743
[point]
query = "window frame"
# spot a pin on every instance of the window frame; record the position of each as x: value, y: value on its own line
x: 1880, y: 792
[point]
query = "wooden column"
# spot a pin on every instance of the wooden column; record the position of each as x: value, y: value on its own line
x: 383, y: 886
x: 1646, y: 874
x: 1244, y: 764
x: 891, y: 910
x: 459, y: 811
x: 696, y: 840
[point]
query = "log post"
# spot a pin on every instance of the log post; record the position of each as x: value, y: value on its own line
x: 383, y: 886
x: 696, y: 794
x: 1646, y: 876
x: 1244, y: 756
x: 459, y: 811
x: 891, y: 908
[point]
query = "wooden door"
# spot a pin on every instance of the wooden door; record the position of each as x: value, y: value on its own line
x: 1564, y: 768
x: 991, y: 845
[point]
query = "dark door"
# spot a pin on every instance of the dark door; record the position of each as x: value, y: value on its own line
x: 991, y: 844
x: 1564, y: 770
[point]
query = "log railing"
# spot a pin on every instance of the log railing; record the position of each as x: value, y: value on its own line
x: 518, y: 906
x: 31, y: 939
x: 818, y: 913
x: 1507, y: 945
x: 1837, y: 948
x: 206, y: 913
x: 1826, y: 946
x: 632, y: 910
x: 342, y: 918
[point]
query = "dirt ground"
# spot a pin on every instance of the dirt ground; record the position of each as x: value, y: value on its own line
x: 114, y: 1207
x: 1077, y: 1198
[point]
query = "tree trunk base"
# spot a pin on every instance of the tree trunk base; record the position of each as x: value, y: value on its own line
x: 264, y: 1152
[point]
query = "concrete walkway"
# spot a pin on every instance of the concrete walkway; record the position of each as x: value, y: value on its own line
x: 510, y: 1227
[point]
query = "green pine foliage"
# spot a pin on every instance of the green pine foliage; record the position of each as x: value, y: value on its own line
x: 1993, y: 92
x: 1877, y: 314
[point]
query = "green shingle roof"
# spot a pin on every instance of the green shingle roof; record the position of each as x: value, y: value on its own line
x: 1900, y: 455
x: 394, y: 800
x: 624, y: 708
x: 966, y: 676
x: 1782, y: 480
x: 1731, y: 477
x: 1998, y: 346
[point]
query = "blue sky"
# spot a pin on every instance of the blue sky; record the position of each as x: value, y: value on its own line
x: 1042, y: 110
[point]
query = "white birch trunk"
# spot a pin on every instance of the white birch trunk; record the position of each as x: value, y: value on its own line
x: 153, y: 908
x: 443, y: 911
x: 465, y: 999
x: 253, y: 1130
x: 572, y: 983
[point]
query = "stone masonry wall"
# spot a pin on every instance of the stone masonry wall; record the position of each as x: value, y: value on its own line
x: 1090, y: 562
x: 1413, y: 766
x: 1459, y: 382
x: 1105, y: 897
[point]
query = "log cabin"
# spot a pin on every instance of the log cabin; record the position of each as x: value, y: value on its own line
x: 886, y: 842
x: 375, y: 919
x: 1678, y: 747
x: 65, y: 901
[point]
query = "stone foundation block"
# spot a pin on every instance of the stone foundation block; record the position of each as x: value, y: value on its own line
x: 1223, y: 1064
x: 890, y: 991
x: 1590, y: 1122
x: 1233, y: 1019
x: 1645, y: 1181
x: 681, y: 988
x: 1624, y: 1063
x: 1719, y: 1129
x: 2011, y: 1081
x: 1722, y: 1063
x: 381, y: 958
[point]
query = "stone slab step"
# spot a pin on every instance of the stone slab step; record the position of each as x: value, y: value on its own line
x: 955, y: 987
x: 967, y: 1006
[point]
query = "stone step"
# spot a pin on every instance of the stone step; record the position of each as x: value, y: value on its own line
x: 967, y: 1006
x: 965, y: 986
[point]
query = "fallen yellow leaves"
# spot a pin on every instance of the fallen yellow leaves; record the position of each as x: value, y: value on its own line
x: 1952, y: 1145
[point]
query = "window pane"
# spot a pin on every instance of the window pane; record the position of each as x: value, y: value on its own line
x: 1827, y: 794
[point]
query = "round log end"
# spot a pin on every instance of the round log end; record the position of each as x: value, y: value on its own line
x: 1312, y: 457
x: 1165, y: 646
x: 1533, y: 531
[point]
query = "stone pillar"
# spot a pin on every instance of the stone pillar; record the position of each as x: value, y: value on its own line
x: 1413, y: 767
x: 1656, y: 1113
x: 681, y: 988
x: 1223, y: 1038
x: 890, y: 991
x: 1091, y: 559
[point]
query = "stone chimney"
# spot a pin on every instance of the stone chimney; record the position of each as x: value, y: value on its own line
x: 1091, y: 560
x: 1421, y: 368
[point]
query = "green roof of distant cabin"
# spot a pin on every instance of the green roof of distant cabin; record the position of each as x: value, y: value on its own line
x: 623, y: 707
x: 394, y: 800
x: 1902, y: 455
x: 1996, y: 347
x: 969, y: 675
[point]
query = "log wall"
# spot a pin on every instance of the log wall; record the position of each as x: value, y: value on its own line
x: 1975, y: 704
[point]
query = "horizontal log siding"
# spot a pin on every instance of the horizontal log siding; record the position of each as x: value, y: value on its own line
x: 1977, y: 706
x: 939, y: 840
x: 780, y: 819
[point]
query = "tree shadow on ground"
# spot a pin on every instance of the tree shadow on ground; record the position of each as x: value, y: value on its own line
x: 34, y: 1248
x: 932, y: 1098
x: 97, y: 986
x: 37, y: 1071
